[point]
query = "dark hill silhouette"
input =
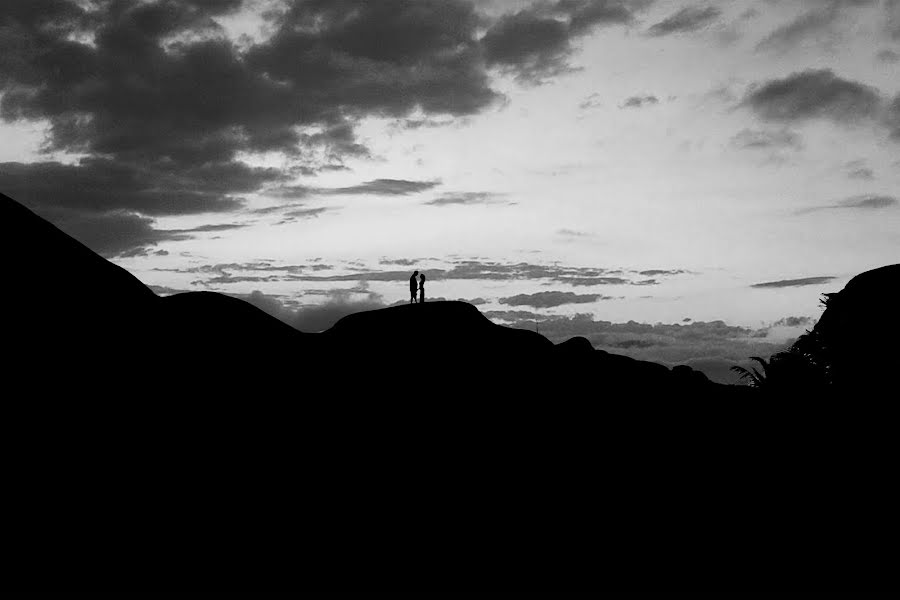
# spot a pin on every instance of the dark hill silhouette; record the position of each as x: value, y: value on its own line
x: 858, y: 332
x: 850, y: 352
x: 82, y: 302
x: 195, y: 442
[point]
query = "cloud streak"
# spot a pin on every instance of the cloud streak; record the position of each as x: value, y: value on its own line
x: 688, y: 19
x: 552, y: 299
x: 865, y: 202
x: 820, y: 23
x: 788, y: 283
x: 384, y: 187
x: 755, y: 139
x: 467, y: 199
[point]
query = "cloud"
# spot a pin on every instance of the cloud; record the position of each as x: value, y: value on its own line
x: 753, y: 139
x: 535, y: 43
x: 111, y: 234
x: 794, y: 322
x: 862, y: 202
x: 466, y: 199
x: 385, y: 187
x: 298, y: 214
x: 584, y: 15
x: 784, y: 283
x: 864, y: 173
x: 892, y: 22
x: 688, y: 19
x: 162, y: 105
x: 735, y: 30
x: 657, y: 272
x: 387, y: 57
x: 211, y: 228
x: 592, y: 101
x: 375, y: 187
x: 639, y: 101
x: 857, y: 169
x: 892, y: 118
x: 888, y: 56
x: 814, y: 94
x: 403, y: 262
x: 457, y: 270
x: 869, y: 201
x: 531, y: 46
x: 551, y: 299
x: 109, y: 205
x: 574, y: 233
x: 99, y: 185
x: 821, y: 24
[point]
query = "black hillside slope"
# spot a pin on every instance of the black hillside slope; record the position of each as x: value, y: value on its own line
x: 193, y: 442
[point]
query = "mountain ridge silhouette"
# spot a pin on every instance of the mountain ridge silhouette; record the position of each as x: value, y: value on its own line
x: 194, y: 442
x: 103, y: 302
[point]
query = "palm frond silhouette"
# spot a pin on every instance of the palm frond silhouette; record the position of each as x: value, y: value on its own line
x: 754, y: 377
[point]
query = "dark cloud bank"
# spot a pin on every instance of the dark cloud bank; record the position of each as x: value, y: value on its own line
x: 162, y: 104
x: 536, y: 43
x: 824, y: 95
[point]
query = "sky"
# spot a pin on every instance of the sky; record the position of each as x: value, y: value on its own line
x: 678, y: 181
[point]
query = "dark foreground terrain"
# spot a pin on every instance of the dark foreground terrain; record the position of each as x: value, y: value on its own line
x: 195, y: 442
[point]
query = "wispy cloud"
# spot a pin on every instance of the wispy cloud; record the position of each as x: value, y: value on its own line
x: 787, y: 283
x: 592, y: 101
x: 858, y: 169
x: 766, y: 139
x: 552, y: 299
x: 888, y: 56
x: 574, y: 233
x: 467, y: 199
x: 690, y: 18
x: 385, y: 187
x: 639, y: 101
x: 863, y: 202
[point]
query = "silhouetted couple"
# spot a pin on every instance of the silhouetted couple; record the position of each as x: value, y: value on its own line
x: 421, y: 288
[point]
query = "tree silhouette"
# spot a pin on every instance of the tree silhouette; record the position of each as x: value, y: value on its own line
x: 754, y: 377
x: 806, y: 364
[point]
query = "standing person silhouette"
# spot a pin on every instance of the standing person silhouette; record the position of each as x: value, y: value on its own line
x: 412, y: 288
x: 421, y: 288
